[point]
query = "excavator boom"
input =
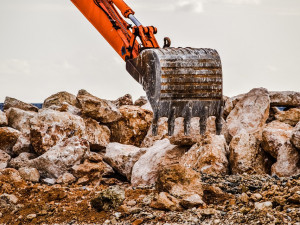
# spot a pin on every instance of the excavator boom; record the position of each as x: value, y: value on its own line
x: 179, y: 82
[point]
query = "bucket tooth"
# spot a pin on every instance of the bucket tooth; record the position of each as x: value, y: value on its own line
x: 203, y: 120
x: 187, y: 121
x: 155, y: 123
x: 171, y: 121
x: 219, y: 121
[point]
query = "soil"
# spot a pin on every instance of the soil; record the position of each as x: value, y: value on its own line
x: 231, y: 199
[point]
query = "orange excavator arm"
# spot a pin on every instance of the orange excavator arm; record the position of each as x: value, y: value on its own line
x: 118, y: 33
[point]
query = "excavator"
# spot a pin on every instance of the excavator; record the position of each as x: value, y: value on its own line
x: 179, y: 82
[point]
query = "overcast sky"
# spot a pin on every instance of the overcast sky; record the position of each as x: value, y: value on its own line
x: 47, y: 46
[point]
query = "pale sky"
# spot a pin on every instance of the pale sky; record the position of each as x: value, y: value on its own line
x: 47, y: 46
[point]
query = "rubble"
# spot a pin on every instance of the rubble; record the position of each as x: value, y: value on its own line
x: 123, y: 157
x: 15, y: 103
x: 49, y: 128
x: 208, y: 156
x: 83, y: 160
x: 3, y: 119
x: 132, y: 128
x: 97, y: 135
x: 4, y: 159
x: 20, y: 120
x: 162, y: 153
x: 250, y: 113
x: 101, y: 110
x: 8, y: 138
x: 276, y: 141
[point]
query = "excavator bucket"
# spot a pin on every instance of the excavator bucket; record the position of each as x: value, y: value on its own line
x: 181, y: 82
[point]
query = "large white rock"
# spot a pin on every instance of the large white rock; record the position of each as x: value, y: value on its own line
x: 50, y: 127
x: 8, y: 138
x: 285, y: 98
x: 61, y: 158
x: 99, y: 109
x: 4, y: 159
x: 20, y: 120
x: 97, y: 135
x: 132, y: 128
x: 249, y: 114
x: 276, y: 141
x: 22, y: 160
x: 162, y: 153
x: 15, y: 103
x: 296, y: 136
x: 291, y: 116
x: 123, y: 157
x: 246, y: 155
x: 208, y: 156
x: 3, y: 119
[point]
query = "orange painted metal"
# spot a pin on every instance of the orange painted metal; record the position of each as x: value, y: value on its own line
x: 117, y: 32
x: 118, y: 38
x: 123, y: 7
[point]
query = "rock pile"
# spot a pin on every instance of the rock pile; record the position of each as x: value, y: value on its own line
x: 84, y: 141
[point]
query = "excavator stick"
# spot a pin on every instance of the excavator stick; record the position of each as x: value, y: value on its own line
x: 181, y: 82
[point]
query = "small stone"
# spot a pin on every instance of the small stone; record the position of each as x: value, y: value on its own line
x: 9, y: 198
x: 111, y: 198
x: 264, y: 206
x: 31, y: 216
x: 131, y: 203
x: 256, y: 197
x: 49, y: 181
x: 118, y: 215
x: 244, y: 198
x: 66, y: 178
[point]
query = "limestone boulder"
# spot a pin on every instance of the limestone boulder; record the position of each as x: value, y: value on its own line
x: 182, y: 183
x: 50, y: 127
x: 3, y: 119
x: 15, y: 103
x: 22, y: 160
x: 4, y: 159
x: 285, y: 98
x: 60, y: 158
x: 29, y: 174
x: 165, y: 201
x: 246, y: 155
x: 97, y: 135
x: 291, y: 116
x: 276, y: 141
x: 8, y: 138
x: 66, y: 178
x: 60, y: 99
x: 124, y: 100
x: 88, y: 171
x: 101, y: 110
x: 123, y: 157
x: 296, y: 136
x: 141, y: 101
x: 230, y: 104
x: 20, y: 120
x: 208, y: 156
x: 162, y: 153
x: 133, y: 126
x: 249, y: 114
